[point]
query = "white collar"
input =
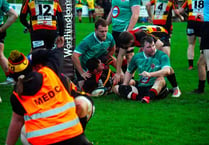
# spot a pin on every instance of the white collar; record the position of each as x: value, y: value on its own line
x: 97, y: 38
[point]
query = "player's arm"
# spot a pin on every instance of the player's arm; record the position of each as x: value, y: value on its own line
x: 182, y: 8
x: 109, y: 17
x: 134, y: 17
x: 159, y: 44
x: 60, y: 20
x: 119, y: 73
x: 127, y: 78
x: 160, y: 73
x: 23, y: 14
x: 176, y: 11
x: 14, y: 129
x: 77, y: 63
x: 121, y: 54
x: 12, y: 16
x: 164, y: 71
x: 149, y: 12
x: 61, y: 26
x: 112, y: 51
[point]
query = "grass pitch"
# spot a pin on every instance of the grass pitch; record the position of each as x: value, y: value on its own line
x: 171, y: 121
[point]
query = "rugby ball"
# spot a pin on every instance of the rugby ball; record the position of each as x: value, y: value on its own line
x: 98, y: 92
x: 133, y: 93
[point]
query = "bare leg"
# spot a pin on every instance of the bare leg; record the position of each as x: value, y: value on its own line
x: 3, y: 59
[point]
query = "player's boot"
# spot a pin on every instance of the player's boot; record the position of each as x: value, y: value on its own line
x: 198, y: 91
x: 145, y: 99
x: 176, y: 92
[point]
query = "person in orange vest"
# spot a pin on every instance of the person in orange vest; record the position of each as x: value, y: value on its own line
x: 42, y: 103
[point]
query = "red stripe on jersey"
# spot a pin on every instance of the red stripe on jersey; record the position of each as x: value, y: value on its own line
x: 159, y: 22
x: 24, y: 7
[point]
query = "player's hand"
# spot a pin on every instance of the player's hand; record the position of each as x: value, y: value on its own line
x: 1, y: 30
x: 117, y: 78
x: 149, y: 20
x: 86, y: 75
x: 200, y: 17
x: 181, y: 18
x: 145, y: 74
x: 60, y: 41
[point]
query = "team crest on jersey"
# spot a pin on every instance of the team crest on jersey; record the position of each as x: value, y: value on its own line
x: 115, y: 11
x: 144, y: 80
x: 152, y: 66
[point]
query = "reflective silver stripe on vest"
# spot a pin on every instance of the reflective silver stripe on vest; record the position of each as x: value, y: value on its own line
x: 50, y: 112
x: 53, y: 129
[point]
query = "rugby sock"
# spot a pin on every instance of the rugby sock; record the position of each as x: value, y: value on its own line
x: 83, y: 122
x: 201, y: 85
x: 172, y: 79
x: 7, y: 74
x: 190, y: 62
x: 208, y: 77
x: 152, y: 93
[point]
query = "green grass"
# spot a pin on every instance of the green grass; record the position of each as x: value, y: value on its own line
x: 171, y: 121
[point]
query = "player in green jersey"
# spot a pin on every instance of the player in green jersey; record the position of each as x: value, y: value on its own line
x: 99, y: 44
x: 152, y: 66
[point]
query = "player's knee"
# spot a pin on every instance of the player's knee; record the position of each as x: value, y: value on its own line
x: 81, y: 108
x: 84, y: 107
x: 128, y: 92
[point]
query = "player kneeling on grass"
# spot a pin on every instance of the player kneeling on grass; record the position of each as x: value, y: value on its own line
x: 100, y: 82
x: 153, y: 65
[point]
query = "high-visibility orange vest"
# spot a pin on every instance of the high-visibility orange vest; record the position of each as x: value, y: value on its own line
x: 50, y: 114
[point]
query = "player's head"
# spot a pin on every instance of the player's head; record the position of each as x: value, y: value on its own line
x: 101, y: 29
x: 126, y: 40
x: 18, y: 64
x: 94, y: 65
x: 148, y: 44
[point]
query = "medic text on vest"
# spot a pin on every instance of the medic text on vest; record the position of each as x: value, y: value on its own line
x: 49, y: 95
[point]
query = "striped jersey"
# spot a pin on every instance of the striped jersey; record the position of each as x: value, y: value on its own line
x: 43, y: 13
x: 195, y: 8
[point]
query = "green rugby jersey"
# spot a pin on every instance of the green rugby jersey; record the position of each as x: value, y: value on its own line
x: 142, y: 63
x: 121, y: 14
x: 91, y: 47
x: 4, y: 9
